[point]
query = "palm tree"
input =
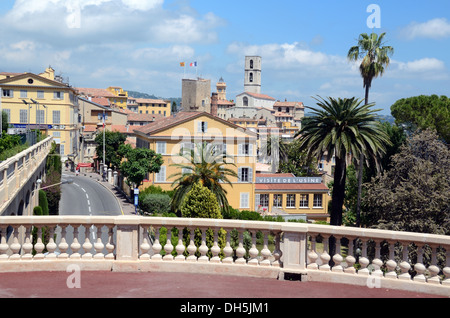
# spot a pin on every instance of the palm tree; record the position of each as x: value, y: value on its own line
x: 280, y: 151
x: 375, y: 58
x: 345, y: 128
x: 207, y: 165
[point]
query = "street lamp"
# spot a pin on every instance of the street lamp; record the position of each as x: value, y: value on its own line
x: 37, y: 113
x: 28, y: 115
x: 39, y: 182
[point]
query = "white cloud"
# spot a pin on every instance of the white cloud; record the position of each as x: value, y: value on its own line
x: 435, y: 29
x: 422, y: 65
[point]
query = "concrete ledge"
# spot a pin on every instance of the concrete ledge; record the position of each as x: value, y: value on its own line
x: 55, y: 265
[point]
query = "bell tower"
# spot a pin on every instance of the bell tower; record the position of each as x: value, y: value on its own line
x: 252, y: 81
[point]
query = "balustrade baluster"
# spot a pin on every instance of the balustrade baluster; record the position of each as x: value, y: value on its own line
x: 215, y: 249
x: 277, y: 253
x: 75, y: 246
x: 98, y: 245
x: 446, y: 269
x: 337, y: 258
x: 377, y: 262
x: 63, y: 246
x: 87, y: 245
x: 192, y: 249
x: 433, y: 269
x: 15, y: 246
x: 265, y: 252
x: 110, y: 244
x: 312, y: 254
x: 3, y: 244
x: 145, y: 245
x: 350, y: 259
x: 168, y: 247
x: 156, y: 247
x: 240, y: 251
x: 391, y: 264
x: 325, y: 257
x: 404, y: 264
x: 363, y: 260
x: 27, y: 246
x: 253, y: 252
x: 419, y: 267
x: 180, y: 247
x: 203, y: 248
x: 51, y: 245
x: 39, y: 246
x: 228, y: 250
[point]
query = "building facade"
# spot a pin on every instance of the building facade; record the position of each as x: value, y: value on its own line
x: 42, y: 102
x: 154, y: 106
x: 196, y: 95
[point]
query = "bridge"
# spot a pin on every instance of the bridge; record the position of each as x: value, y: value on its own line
x: 18, y: 179
x: 400, y: 261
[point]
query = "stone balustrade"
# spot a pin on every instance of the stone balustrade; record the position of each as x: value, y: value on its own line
x: 375, y: 258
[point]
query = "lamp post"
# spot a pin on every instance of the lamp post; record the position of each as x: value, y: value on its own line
x: 38, y: 114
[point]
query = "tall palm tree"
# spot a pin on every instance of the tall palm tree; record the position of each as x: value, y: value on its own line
x: 207, y: 165
x: 375, y: 59
x: 342, y: 127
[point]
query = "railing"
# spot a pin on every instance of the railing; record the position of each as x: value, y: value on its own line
x: 17, y: 170
x: 376, y: 258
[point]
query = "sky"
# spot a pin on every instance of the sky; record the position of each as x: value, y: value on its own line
x: 139, y: 44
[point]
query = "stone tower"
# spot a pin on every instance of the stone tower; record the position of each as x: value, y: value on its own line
x: 252, y: 81
x: 221, y: 87
x: 196, y: 95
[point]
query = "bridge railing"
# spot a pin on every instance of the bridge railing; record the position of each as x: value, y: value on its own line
x: 17, y: 170
x: 376, y: 258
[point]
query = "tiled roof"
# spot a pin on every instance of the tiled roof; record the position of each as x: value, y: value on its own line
x: 166, y: 122
x: 95, y: 92
x: 288, y: 104
x: 263, y: 96
x: 144, y: 117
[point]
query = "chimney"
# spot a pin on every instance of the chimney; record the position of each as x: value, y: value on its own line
x: 214, y: 104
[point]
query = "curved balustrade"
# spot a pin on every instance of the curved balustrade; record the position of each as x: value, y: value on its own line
x: 375, y: 258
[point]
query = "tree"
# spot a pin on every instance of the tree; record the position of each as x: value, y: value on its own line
x: 375, y: 58
x: 138, y: 163
x: 4, y: 120
x: 200, y: 202
x: 205, y: 165
x: 422, y: 112
x: 298, y: 162
x: 413, y: 194
x: 113, y: 140
x: 343, y: 128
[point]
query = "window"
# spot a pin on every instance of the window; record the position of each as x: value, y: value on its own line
x: 58, y: 95
x: 251, y: 63
x: 245, y: 174
x: 161, y: 147
x: 8, y: 93
x: 202, y: 126
x: 40, y: 116
x: 23, y: 116
x: 278, y: 200
x: 244, y: 200
x: 317, y: 202
x: 245, y: 149
x: 56, y: 117
x: 304, y: 200
x: 161, y: 176
x: 8, y: 114
x: 290, y: 201
x: 245, y: 101
x: 61, y: 150
x: 264, y: 200
x: 250, y: 78
x: 23, y: 93
x: 40, y: 94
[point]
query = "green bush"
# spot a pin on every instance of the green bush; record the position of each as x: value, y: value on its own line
x: 155, y: 203
x: 43, y: 202
x: 37, y: 210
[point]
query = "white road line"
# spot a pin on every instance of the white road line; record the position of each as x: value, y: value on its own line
x: 83, y: 190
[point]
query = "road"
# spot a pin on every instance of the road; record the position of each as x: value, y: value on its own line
x: 85, y: 196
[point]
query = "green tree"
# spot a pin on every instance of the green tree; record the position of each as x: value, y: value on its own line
x: 200, y: 202
x: 298, y: 162
x: 5, y: 123
x: 375, y: 58
x: 413, y: 195
x: 113, y: 140
x: 204, y: 165
x: 43, y: 202
x: 422, y: 112
x: 343, y: 128
x: 138, y: 163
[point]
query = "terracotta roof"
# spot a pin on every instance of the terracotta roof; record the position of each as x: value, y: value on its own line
x: 95, y: 92
x: 101, y: 101
x: 263, y: 96
x: 166, y: 122
x: 90, y: 128
x: 224, y: 102
x: 281, y: 114
x: 144, y: 117
x: 288, y: 104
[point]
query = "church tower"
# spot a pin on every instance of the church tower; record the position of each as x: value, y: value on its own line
x: 252, y: 81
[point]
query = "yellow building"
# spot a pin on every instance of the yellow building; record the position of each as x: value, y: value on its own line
x: 154, y: 106
x: 285, y: 194
x: 169, y: 135
x: 115, y: 96
x: 121, y: 96
x: 43, y: 101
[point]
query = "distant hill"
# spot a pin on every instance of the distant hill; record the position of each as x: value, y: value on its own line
x: 145, y: 95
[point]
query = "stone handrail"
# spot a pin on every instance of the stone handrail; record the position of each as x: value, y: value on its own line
x: 375, y: 258
x: 17, y: 170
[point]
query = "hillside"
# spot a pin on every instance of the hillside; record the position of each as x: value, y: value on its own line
x: 145, y: 95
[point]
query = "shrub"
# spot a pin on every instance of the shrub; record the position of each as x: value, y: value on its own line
x: 154, y: 203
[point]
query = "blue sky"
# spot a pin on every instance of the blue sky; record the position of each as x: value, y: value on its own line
x: 138, y: 44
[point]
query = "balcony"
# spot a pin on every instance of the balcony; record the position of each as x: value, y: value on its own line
x: 362, y: 257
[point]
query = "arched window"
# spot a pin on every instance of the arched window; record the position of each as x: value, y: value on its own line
x: 251, y: 78
x: 251, y: 64
x: 245, y: 101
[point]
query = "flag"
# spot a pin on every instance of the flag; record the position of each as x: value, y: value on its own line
x: 194, y: 64
x: 182, y: 64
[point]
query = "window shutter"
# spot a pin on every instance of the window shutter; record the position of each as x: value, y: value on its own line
x: 240, y: 150
x: 199, y: 126
x: 250, y: 175
x: 257, y: 201
x: 239, y: 174
x: 250, y: 149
